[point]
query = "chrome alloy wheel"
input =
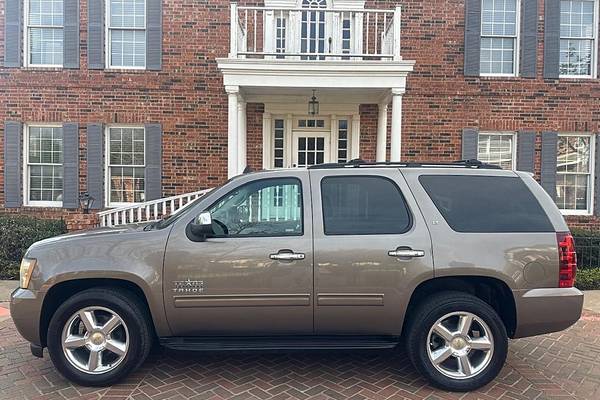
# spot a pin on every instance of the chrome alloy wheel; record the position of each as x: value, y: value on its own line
x: 460, y: 345
x: 95, y: 340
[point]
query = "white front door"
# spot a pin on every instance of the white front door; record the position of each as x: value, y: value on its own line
x: 310, y: 148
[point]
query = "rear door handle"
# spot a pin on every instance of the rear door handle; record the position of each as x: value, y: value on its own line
x: 406, y: 253
x: 287, y: 255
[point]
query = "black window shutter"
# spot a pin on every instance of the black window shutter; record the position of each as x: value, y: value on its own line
x: 597, y: 177
x: 472, y: 37
x: 95, y: 165
x: 71, y: 33
x: 12, y: 164
x: 548, y: 168
x: 95, y: 41
x: 529, y: 18
x: 70, y: 165
x: 154, y: 34
x: 153, y: 155
x: 551, y: 38
x: 470, y: 142
x: 13, y: 17
x: 525, y: 151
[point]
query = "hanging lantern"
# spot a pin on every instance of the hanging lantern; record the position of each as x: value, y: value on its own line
x: 313, y: 105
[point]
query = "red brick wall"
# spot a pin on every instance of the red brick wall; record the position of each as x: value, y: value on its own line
x: 187, y: 97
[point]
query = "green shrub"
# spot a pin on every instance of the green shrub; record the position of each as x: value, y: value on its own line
x: 588, y: 279
x: 587, y: 245
x: 17, y: 233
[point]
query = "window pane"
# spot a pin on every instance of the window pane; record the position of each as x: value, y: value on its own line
x: 45, y: 145
x: 270, y: 207
x: 278, y: 147
x: 126, y: 146
x: 127, y: 13
x: 577, y: 19
x: 496, y: 149
x: 128, y: 48
x: 497, y: 56
x: 45, y: 183
x: 576, y: 57
x: 363, y: 205
x: 46, y: 12
x: 573, y: 172
x: 126, y: 184
x: 499, y: 18
x: 486, y: 203
x: 46, y: 46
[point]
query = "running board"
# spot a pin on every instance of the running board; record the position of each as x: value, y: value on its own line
x: 249, y: 343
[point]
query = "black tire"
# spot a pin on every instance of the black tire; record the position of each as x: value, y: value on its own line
x: 425, y: 316
x: 132, y: 312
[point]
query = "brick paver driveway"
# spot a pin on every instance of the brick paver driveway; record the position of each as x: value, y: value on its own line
x: 563, y: 365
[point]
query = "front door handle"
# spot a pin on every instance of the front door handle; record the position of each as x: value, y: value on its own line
x: 406, y: 253
x: 287, y: 255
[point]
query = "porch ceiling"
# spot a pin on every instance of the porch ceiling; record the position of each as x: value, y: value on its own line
x: 300, y: 95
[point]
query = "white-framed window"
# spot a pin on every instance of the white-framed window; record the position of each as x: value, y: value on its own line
x: 575, y: 173
x: 126, y: 34
x: 498, y: 148
x: 125, y: 165
x: 43, y: 35
x: 43, y: 165
x: 499, y: 51
x: 578, y: 33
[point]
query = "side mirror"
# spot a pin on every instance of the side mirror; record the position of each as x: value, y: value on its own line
x: 201, y: 226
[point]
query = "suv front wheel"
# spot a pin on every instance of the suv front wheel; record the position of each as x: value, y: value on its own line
x: 98, y: 336
x: 457, y: 341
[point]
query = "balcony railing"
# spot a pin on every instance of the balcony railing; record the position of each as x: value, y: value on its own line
x: 148, y: 211
x: 314, y: 33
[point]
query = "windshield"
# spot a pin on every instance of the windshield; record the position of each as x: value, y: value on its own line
x: 170, y: 219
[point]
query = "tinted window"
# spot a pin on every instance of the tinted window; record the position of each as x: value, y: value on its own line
x: 268, y: 207
x: 486, y: 203
x: 363, y: 205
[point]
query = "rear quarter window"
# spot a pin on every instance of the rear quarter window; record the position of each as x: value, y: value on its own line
x: 486, y: 204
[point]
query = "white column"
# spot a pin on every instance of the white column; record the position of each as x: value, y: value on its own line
x: 232, y: 130
x: 267, y: 141
x: 242, y: 147
x: 333, y: 144
x: 355, y: 140
x: 382, y: 132
x: 396, y: 139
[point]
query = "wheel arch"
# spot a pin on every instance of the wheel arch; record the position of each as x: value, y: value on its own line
x: 493, y: 291
x: 61, y: 291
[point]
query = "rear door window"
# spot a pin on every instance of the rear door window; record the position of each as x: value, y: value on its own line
x: 363, y: 205
x: 486, y: 203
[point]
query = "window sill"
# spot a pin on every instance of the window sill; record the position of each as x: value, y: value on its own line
x: 43, y: 68
x: 44, y: 204
x: 576, y: 213
x: 126, y: 69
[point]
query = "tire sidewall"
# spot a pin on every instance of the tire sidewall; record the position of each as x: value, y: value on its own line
x: 418, y: 343
x: 129, y: 313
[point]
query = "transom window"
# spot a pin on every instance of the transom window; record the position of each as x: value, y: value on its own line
x: 269, y: 207
x: 126, y: 33
x: 497, y: 149
x: 126, y: 165
x: 574, y: 173
x: 311, y: 123
x: 577, y: 37
x: 44, y: 165
x: 499, y: 34
x: 44, y: 36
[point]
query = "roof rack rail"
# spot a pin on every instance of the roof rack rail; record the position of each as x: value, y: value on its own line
x: 357, y: 163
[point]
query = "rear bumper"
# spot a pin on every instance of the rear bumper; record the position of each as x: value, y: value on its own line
x: 25, y: 308
x: 546, y: 310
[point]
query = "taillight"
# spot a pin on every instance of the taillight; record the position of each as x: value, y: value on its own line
x: 567, y: 260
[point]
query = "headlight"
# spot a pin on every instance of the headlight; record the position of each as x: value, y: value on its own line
x: 27, y: 267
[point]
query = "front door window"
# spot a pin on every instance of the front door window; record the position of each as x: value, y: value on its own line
x: 310, y: 148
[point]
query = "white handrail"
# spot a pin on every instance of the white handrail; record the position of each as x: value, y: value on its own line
x: 148, y: 211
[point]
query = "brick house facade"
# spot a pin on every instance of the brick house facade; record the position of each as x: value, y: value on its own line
x: 442, y: 110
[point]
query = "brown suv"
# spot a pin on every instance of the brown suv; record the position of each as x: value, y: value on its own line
x: 453, y: 259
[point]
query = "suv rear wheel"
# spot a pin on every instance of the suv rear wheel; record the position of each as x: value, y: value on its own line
x: 457, y: 341
x: 98, y: 336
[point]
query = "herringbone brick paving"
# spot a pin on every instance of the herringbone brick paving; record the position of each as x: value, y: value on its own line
x: 564, y: 365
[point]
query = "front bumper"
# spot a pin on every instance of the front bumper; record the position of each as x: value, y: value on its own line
x: 546, y: 310
x: 25, y: 309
